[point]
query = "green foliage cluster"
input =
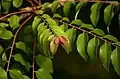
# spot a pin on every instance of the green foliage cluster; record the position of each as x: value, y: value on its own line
x: 38, y: 41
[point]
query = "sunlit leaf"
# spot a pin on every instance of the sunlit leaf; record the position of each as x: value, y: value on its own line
x: 108, y: 14
x: 71, y: 34
x: 3, y: 74
x: 4, y: 58
x: 87, y: 26
x: 25, y: 77
x: 35, y: 23
x: 95, y: 13
x: 56, y: 15
x: 64, y: 27
x: 6, y: 5
x: 42, y: 74
x: 14, y: 21
x: 81, y: 43
x: 115, y: 58
x: 45, y: 6
x: 65, y: 19
x: 44, y: 63
x: 110, y: 37
x: 4, y: 25
x: 19, y: 58
x: 67, y: 8
x: 99, y: 32
x: 54, y: 6
x: 46, y: 16
x: 79, y: 6
x: 21, y: 45
x: 105, y: 54
x: 92, y: 48
x: 16, y: 74
x: 76, y: 22
x: 17, y: 3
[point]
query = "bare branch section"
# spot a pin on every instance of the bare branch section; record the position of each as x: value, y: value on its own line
x: 89, y: 32
x: 101, y: 1
x: 14, y: 39
x: 33, y: 63
x: 22, y: 11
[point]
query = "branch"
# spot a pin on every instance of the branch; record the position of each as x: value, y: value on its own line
x: 33, y: 63
x: 89, y: 32
x: 107, y: 2
x: 14, y: 39
x: 23, y: 10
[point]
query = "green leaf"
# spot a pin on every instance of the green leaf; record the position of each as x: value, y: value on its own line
x: 108, y: 14
x: 45, y: 43
x: 46, y: 16
x: 16, y: 74
x: 115, y: 58
x: 1, y: 50
x: 92, y: 48
x: 95, y: 13
x: 76, y: 22
x: 4, y: 58
x: 41, y: 28
x: 65, y: 19
x: 21, y: 45
x: 87, y: 26
x: 6, y: 5
x: 67, y: 8
x: 3, y: 74
x: 45, y: 6
x: 54, y: 6
x: 35, y: 23
x: 99, y: 32
x: 4, y: 25
x: 64, y: 27
x: 44, y: 62
x: 14, y: 21
x: 42, y: 74
x: 110, y: 37
x: 17, y: 3
x: 79, y: 6
x: 19, y: 58
x: 56, y: 15
x: 105, y: 54
x: 25, y: 77
x: 5, y: 34
x: 46, y: 31
x: 51, y: 22
x: 81, y: 43
x: 71, y: 34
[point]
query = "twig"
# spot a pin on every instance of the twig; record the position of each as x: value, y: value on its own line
x: 89, y: 32
x: 14, y: 39
x: 95, y: 35
x: 20, y: 12
x: 33, y: 63
x: 107, y: 2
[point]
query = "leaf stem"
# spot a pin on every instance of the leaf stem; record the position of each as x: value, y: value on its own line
x: 33, y: 63
x: 20, y: 12
x: 97, y: 36
x: 14, y: 39
x: 90, y: 32
x: 107, y: 2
